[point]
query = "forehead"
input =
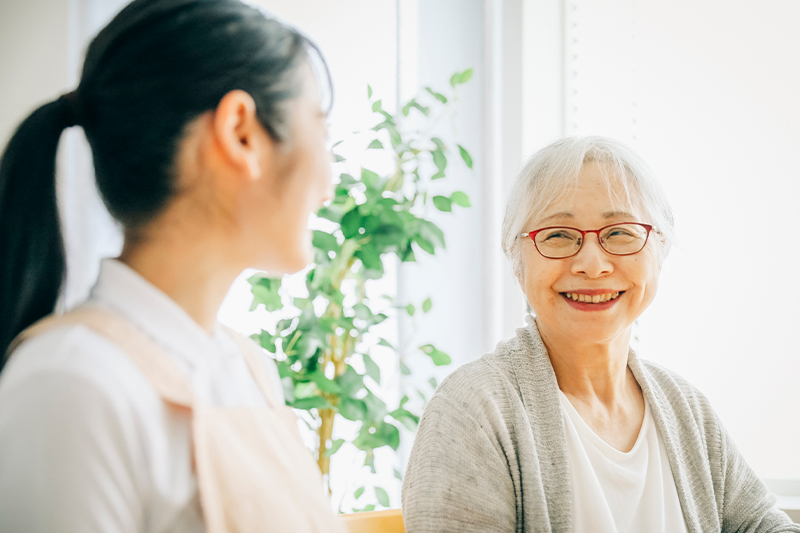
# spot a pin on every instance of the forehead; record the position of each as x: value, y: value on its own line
x: 597, y: 194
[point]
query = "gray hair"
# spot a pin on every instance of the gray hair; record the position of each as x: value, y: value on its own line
x: 553, y: 171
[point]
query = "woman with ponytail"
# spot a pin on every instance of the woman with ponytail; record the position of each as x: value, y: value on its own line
x: 137, y: 411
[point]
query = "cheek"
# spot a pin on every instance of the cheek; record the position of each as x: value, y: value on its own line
x: 644, y: 273
x: 538, y: 279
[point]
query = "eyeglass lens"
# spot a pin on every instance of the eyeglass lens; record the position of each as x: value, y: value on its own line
x: 619, y: 239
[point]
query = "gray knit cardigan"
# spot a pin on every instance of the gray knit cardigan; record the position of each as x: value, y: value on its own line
x: 490, y: 454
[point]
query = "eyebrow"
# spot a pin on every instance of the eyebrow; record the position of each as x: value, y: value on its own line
x: 607, y: 215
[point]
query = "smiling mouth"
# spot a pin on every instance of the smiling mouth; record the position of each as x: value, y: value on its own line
x: 592, y: 299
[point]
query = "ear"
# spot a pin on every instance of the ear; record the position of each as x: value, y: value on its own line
x: 238, y: 131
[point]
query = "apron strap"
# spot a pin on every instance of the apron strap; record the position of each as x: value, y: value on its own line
x: 152, y: 360
x: 252, y: 354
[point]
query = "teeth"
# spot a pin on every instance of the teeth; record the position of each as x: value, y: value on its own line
x: 596, y: 299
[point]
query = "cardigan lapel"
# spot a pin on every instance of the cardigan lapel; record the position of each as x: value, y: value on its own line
x: 538, y: 388
x: 673, y: 417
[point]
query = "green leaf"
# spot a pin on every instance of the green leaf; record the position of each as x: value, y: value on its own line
x: 330, y: 214
x: 265, y: 291
x: 376, y: 408
x: 407, y: 256
x: 425, y: 244
x: 414, y: 104
x: 454, y: 79
x: 347, y: 179
x: 338, y: 159
x: 383, y: 497
x: 335, y: 445
x: 376, y: 144
x: 460, y: 198
x: 353, y: 409
x: 369, y: 91
x: 370, y: 507
x: 439, y: 159
x: 376, y: 106
x: 369, y: 178
x: 398, y: 475
x: 404, y: 369
x: 324, y: 241
x: 351, y: 381
x: 266, y: 340
x: 395, y: 183
x: 439, y: 143
x: 362, y: 311
x: 373, y: 370
x: 357, y: 494
x: 427, y: 305
x: 432, y: 233
x: 442, y: 98
x: 314, y: 402
x: 432, y: 383
x: 442, y: 203
x: 370, y: 258
x: 438, y: 357
x: 351, y: 223
x: 465, y: 76
x: 408, y: 419
x: 410, y: 309
x: 325, y: 384
x: 465, y: 156
x: 384, y: 342
x: 304, y: 389
x: 390, y: 434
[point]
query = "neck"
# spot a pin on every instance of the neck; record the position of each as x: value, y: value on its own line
x: 193, y: 268
x: 591, y: 371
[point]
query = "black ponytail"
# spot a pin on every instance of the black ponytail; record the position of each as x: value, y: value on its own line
x: 31, y: 246
x: 155, y: 67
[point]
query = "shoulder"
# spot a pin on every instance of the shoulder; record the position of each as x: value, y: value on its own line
x: 674, y: 386
x: 482, y: 390
x: 683, y: 406
x: 73, y: 412
x: 74, y: 354
x: 74, y: 371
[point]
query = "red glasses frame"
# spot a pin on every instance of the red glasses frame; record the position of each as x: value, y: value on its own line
x: 532, y: 235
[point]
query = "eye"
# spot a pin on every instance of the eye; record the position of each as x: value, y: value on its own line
x: 557, y: 234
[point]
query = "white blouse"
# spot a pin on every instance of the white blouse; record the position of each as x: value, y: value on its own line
x: 619, y: 492
x: 86, y: 444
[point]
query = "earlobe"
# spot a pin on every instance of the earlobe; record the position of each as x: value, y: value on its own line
x: 236, y: 128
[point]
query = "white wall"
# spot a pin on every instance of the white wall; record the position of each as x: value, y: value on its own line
x: 33, y: 62
x: 707, y: 93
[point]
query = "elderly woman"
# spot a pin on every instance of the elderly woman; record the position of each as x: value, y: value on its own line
x: 563, y: 428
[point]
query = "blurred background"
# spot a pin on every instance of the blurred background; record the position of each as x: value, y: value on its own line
x: 705, y: 91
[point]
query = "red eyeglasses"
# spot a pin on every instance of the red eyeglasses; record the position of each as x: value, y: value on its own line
x: 558, y: 242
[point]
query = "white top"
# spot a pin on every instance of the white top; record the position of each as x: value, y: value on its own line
x: 618, y: 492
x: 86, y: 444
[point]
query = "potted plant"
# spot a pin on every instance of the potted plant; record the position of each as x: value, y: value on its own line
x: 370, y: 217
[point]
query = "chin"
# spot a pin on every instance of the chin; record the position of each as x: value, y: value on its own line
x: 285, y: 263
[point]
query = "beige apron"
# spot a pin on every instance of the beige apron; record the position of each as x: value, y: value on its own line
x: 254, y: 473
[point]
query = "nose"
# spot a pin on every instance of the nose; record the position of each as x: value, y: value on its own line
x: 592, y: 261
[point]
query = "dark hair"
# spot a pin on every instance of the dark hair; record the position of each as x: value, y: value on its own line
x: 156, y: 66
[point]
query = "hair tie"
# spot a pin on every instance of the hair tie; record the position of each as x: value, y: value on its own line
x: 73, y: 109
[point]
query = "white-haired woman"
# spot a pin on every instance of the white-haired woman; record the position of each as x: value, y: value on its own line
x: 563, y: 428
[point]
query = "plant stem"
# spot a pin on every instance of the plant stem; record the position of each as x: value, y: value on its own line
x: 325, y: 432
